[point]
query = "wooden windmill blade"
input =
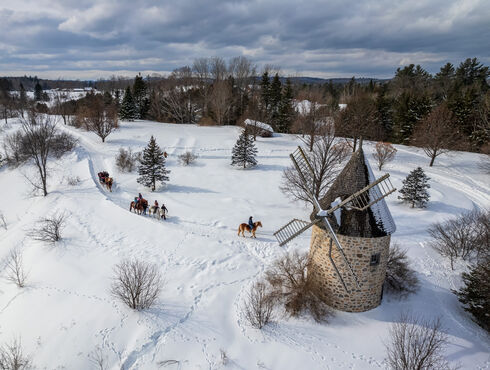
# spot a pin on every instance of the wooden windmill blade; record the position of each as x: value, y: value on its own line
x: 367, y: 196
x: 291, y: 230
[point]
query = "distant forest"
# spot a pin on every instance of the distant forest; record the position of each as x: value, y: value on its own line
x: 455, y: 102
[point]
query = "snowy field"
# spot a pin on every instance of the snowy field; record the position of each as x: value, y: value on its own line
x: 66, y: 311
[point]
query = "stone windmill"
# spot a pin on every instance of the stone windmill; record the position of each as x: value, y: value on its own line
x: 351, y: 234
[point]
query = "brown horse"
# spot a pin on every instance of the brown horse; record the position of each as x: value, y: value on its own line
x: 140, y: 207
x: 108, y: 183
x: 243, y: 227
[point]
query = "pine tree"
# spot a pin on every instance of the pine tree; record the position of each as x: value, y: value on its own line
x: 286, y: 110
x: 475, y: 293
x: 244, y: 151
x: 128, y: 108
x: 140, y: 95
x: 265, y: 92
x: 152, y: 168
x: 414, y: 190
x: 38, y: 91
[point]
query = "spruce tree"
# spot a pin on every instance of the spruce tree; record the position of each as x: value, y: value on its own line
x: 127, y: 110
x: 140, y: 95
x: 38, y: 91
x: 265, y: 92
x: 152, y: 168
x: 475, y: 293
x: 286, y: 110
x: 414, y: 190
x: 244, y: 151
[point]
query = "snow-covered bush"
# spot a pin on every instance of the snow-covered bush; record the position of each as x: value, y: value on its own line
x: 414, y: 190
x: 73, y: 180
x: 126, y: 160
x: 258, y: 308
x: 136, y: 283
x: 416, y: 343
x: 400, y: 278
x: 49, y: 229
x: 475, y: 293
x: 12, y: 357
x: 291, y: 287
x: 187, y: 158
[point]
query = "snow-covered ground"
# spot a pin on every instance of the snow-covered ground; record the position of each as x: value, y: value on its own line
x: 66, y: 311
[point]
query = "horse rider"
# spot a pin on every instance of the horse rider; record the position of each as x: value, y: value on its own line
x: 155, y: 206
x: 250, y: 223
x: 164, y: 209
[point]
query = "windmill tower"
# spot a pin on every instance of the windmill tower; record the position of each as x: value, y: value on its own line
x: 350, y: 241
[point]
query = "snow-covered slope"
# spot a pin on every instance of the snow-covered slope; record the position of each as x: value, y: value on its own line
x: 66, y: 311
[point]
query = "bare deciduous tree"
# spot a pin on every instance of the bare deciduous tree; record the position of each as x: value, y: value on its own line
x: 383, y: 153
x: 416, y: 343
x: 49, y: 229
x: 436, y: 133
x: 460, y: 237
x: 291, y: 287
x: 400, y: 278
x: 137, y: 284
x: 326, y: 157
x: 221, y: 99
x: 100, y: 119
x: 62, y: 107
x: 98, y: 359
x: 126, y: 160
x: 259, y: 306
x: 12, y: 357
x: 187, y: 158
x: 38, y: 140
x: 15, y: 268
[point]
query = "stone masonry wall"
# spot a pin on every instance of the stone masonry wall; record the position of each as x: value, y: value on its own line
x: 358, y: 252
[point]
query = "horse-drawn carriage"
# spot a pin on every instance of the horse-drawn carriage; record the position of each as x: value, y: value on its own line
x: 105, y: 180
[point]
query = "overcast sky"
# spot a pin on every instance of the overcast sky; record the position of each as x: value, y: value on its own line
x: 88, y: 39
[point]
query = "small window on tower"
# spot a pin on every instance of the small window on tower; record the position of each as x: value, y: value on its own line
x: 375, y: 259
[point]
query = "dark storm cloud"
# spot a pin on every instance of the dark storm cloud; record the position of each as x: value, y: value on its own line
x: 323, y: 38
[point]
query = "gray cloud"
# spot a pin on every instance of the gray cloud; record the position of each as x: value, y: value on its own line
x: 90, y: 39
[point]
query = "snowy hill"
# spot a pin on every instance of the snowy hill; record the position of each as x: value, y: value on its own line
x: 66, y: 311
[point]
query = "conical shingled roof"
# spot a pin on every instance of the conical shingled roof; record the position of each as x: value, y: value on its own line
x: 375, y: 221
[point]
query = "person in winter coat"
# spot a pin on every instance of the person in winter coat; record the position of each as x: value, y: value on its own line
x: 250, y: 223
x: 164, y: 210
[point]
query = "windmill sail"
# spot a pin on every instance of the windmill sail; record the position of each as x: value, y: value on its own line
x: 291, y: 230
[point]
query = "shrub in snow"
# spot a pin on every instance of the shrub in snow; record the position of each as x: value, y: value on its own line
x: 49, y: 229
x: 291, y: 287
x: 259, y: 306
x: 383, y: 153
x: 73, y: 180
x: 400, y: 278
x: 187, y: 158
x: 416, y: 343
x: 15, y: 268
x: 12, y: 357
x: 137, y: 284
x: 467, y: 236
x: 126, y: 160
x: 152, y: 168
x: 244, y: 151
x: 475, y: 293
x: 3, y: 221
x: 414, y: 190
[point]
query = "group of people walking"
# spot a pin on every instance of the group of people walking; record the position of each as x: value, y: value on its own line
x: 139, y: 200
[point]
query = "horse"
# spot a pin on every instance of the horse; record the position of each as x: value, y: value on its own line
x: 155, y: 210
x: 108, y: 183
x: 243, y: 227
x: 140, y: 207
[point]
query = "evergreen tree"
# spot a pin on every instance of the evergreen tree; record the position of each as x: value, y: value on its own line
x: 414, y: 190
x: 265, y: 92
x: 286, y: 110
x: 38, y: 91
x: 275, y: 93
x: 244, y: 151
x: 152, y: 168
x: 475, y: 293
x: 127, y: 110
x: 140, y: 95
